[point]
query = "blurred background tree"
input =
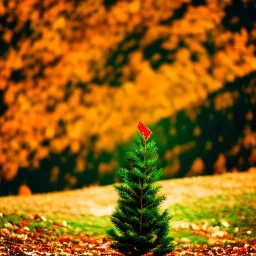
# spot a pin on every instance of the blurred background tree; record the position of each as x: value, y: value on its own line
x: 76, y: 76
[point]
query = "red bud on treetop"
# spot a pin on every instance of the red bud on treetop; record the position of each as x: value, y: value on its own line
x: 144, y: 131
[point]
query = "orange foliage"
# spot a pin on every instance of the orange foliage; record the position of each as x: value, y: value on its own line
x: 197, y: 167
x: 24, y: 190
x: 59, y: 85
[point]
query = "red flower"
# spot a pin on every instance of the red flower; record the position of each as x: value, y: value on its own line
x: 144, y: 131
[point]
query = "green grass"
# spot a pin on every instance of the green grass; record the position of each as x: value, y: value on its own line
x: 89, y: 225
x: 13, y: 219
x: 239, y: 211
x: 215, y: 207
x: 33, y: 225
x: 193, y: 238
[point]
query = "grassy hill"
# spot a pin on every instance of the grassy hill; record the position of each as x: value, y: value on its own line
x: 224, y: 205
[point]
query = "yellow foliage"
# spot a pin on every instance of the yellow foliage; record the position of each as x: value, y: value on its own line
x: 220, y: 164
x: 10, y: 170
x: 107, y: 167
x: 223, y: 101
x: 173, y: 168
x: 24, y: 190
x: 42, y: 153
x: 54, y: 174
x: 80, y: 70
x: 75, y: 147
x: 197, y: 167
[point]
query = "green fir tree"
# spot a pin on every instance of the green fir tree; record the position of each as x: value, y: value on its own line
x: 140, y: 225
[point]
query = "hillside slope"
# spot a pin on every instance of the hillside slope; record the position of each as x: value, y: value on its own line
x: 209, y: 214
x: 99, y: 201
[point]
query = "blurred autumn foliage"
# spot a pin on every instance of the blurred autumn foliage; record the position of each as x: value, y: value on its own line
x: 215, y: 136
x: 76, y: 76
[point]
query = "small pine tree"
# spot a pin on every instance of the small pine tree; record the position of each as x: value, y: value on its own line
x: 140, y: 226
